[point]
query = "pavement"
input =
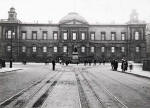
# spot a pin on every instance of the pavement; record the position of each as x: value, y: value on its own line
x: 137, y: 69
x: 8, y: 69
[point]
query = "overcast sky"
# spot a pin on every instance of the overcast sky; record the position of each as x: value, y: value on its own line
x: 102, y: 11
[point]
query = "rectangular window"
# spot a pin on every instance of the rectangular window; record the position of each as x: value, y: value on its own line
x: 44, y: 35
x: 23, y: 49
x: 92, y: 49
x: 8, y: 48
x: 55, y: 49
x: 82, y: 49
x: 92, y: 36
x: 55, y: 35
x: 65, y: 36
x: 23, y: 35
x: 34, y: 35
x: 34, y: 49
x: 74, y: 36
x: 122, y: 49
x: 122, y: 36
x: 113, y: 36
x: 102, y: 49
x: 9, y: 33
x: 44, y: 49
x: 136, y: 35
x: 83, y: 36
x: 103, y: 35
x: 112, y: 49
x: 65, y: 49
x: 137, y: 49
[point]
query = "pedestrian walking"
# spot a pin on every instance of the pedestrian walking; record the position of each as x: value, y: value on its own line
x: 130, y: 66
x: 103, y: 62
x: 0, y: 63
x: 10, y: 63
x: 124, y: 65
x: 53, y: 64
x: 112, y: 64
x: 95, y: 62
x: 115, y: 65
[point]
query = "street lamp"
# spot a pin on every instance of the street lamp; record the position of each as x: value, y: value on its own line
x: 11, y: 58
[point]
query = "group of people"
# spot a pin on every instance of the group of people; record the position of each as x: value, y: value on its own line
x: 124, y: 65
x: 114, y: 64
x: 86, y: 62
x: 2, y: 63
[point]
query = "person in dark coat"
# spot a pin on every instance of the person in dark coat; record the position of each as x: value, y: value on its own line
x: 95, y: 62
x: 115, y: 65
x: 112, y: 64
x: 124, y: 65
x: 0, y: 63
x: 130, y: 66
x: 53, y: 63
x: 10, y: 63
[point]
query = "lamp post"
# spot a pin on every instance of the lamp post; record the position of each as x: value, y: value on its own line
x: 11, y: 58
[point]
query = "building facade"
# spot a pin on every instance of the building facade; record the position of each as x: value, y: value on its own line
x: 73, y: 38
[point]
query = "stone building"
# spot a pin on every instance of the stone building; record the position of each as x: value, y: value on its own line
x: 73, y: 38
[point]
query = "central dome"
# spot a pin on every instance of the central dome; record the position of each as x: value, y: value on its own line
x: 73, y: 16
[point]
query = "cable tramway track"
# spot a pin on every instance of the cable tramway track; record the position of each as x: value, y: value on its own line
x: 105, y: 99
x: 23, y: 97
x: 125, y: 85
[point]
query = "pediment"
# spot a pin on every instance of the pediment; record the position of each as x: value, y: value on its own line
x: 74, y: 22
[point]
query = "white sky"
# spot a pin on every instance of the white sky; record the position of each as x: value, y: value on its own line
x: 102, y: 11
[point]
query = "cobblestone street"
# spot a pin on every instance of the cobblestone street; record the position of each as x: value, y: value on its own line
x: 73, y: 86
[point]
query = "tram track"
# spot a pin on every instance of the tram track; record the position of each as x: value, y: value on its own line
x: 112, y: 101
x: 23, y: 97
x: 105, y: 98
x: 145, y: 99
x: 123, y: 84
x: 82, y: 97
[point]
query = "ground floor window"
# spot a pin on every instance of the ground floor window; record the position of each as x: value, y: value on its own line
x: 55, y: 49
x: 112, y: 49
x: 44, y: 49
x: 8, y: 48
x: 82, y: 49
x: 34, y: 48
x: 92, y: 49
x: 23, y: 49
x: 122, y: 49
x: 102, y: 49
x: 137, y: 49
x: 65, y: 49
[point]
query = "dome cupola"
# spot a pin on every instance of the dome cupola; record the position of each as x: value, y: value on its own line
x: 73, y: 16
